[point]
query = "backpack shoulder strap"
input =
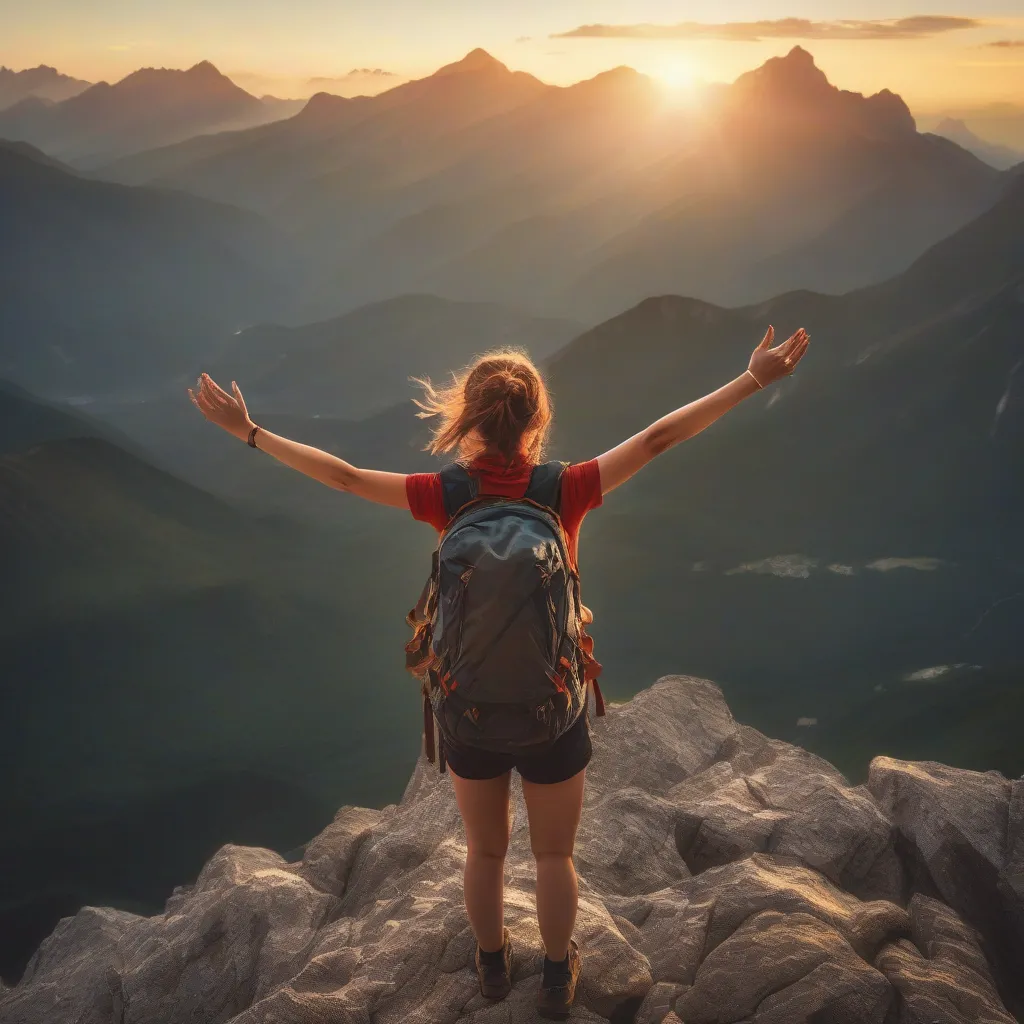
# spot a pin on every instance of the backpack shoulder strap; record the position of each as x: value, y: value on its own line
x: 546, y: 484
x: 458, y: 488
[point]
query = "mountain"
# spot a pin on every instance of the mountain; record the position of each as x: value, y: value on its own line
x: 360, y: 363
x: 43, y: 83
x: 278, y: 109
x: 135, y: 605
x: 724, y: 876
x: 793, y: 183
x: 104, y: 286
x: 878, y: 487
x: 355, y: 146
x: 1000, y: 123
x: 151, y: 107
x: 956, y: 131
x: 482, y: 185
x: 26, y: 420
x: 343, y: 385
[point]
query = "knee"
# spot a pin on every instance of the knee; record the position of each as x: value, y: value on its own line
x: 488, y: 851
x: 549, y: 856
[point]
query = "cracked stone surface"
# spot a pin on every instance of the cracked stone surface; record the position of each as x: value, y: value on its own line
x: 725, y: 877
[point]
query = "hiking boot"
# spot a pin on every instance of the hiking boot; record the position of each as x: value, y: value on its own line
x: 558, y: 985
x: 494, y: 970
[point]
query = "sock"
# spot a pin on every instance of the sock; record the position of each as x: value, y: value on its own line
x: 489, y: 959
x: 555, y: 970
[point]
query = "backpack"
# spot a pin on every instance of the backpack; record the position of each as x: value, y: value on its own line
x: 499, y: 643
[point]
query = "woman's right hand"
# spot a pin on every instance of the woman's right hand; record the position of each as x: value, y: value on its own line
x: 768, y: 364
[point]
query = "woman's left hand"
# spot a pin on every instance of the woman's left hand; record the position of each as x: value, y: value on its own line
x: 227, y: 411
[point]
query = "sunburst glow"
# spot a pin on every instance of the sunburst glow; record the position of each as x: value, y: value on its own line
x: 677, y: 76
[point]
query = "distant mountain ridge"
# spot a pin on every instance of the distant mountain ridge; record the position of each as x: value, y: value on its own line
x: 1002, y: 157
x: 43, y: 83
x: 150, y: 107
x: 359, y: 364
x: 126, y: 591
x: 102, y: 286
x: 26, y: 420
x: 479, y: 183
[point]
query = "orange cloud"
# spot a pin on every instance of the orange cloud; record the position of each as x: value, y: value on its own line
x: 783, y: 28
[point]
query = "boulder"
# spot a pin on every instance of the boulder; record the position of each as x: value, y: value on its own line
x: 962, y: 836
x: 787, y: 968
x: 784, y: 800
x: 723, y: 876
x: 941, y: 975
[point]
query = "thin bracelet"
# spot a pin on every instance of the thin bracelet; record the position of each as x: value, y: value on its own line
x: 252, y: 437
x: 756, y: 381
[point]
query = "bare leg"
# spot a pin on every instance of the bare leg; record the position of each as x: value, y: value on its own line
x: 484, y: 808
x: 554, y: 813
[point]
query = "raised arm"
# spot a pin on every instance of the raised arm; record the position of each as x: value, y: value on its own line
x: 767, y: 365
x: 230, y: 413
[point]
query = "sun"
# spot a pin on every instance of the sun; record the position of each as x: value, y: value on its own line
x: 677, y: 76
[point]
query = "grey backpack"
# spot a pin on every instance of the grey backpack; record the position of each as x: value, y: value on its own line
x: 498, y: 628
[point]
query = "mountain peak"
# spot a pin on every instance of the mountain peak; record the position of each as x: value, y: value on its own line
x: 475, y: 61
x: 204, y: 69
x: 324, y: 106
x: 798, y: 55
x: 794, y: 89
x: 794, y: 73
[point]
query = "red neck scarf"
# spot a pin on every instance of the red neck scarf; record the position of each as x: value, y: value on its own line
x: 500, y: 477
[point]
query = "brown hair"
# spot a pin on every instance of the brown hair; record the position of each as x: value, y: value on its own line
x: 499, y: 403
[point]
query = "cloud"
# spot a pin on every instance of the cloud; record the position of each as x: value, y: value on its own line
x: 358, y: 78
x: 784, y: 28
x: 326, y: 82
x: 524, y: 39
x: 888, y: 564
x: 1007, y: 44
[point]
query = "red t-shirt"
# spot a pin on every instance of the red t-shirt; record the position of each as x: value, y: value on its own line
x: 581, y: 491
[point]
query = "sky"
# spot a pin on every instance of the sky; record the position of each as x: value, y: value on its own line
x: 949, y: 55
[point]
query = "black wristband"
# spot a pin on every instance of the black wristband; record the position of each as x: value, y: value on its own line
x: 252, y: 437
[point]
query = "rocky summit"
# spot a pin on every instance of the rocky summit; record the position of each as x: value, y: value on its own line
x: 724, y: 877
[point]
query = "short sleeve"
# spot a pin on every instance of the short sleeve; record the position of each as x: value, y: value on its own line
x: 581, y: 491
x: 426, y: 499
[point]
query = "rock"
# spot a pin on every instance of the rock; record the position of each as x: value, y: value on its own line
x: 724, y: 877
x: 67, y: 977
x: 789, y: 968
x: 327, y: 859
x: 963, y: 832
x: 781, y: 799
x: 658, y: 1003
x: 246, y: 927
x: 942, y: 975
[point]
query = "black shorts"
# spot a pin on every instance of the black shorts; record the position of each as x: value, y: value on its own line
x: 566, y: 757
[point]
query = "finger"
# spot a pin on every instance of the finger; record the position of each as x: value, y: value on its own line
x: 767, y: 339
x: 195, y: 402
x: 790, y: 344
x: 238, y: 397
x: 215, y: 395
x: 796, y: 356
x: 215, y: 388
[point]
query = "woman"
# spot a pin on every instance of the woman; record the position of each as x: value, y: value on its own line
x: 497, y: 415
